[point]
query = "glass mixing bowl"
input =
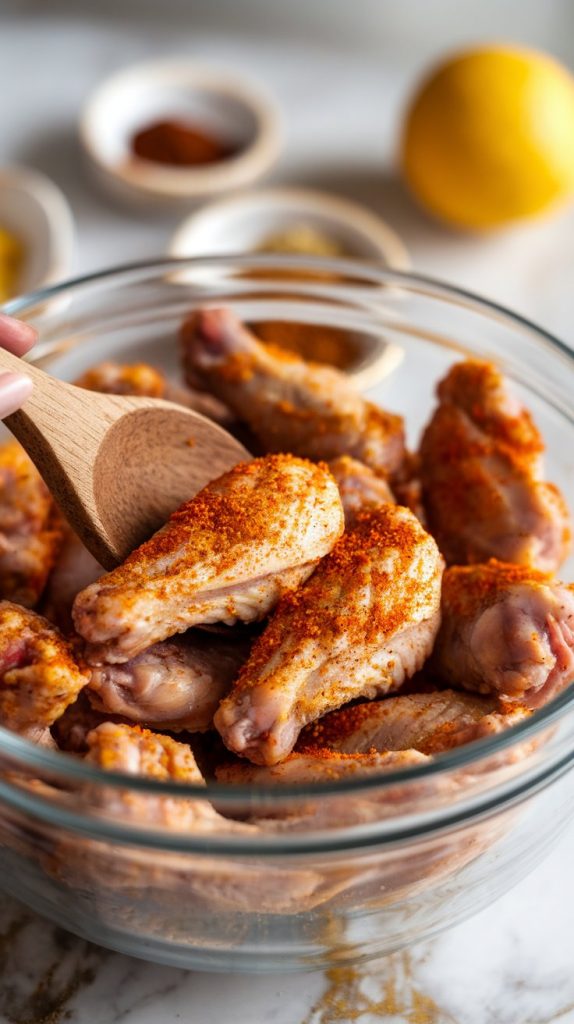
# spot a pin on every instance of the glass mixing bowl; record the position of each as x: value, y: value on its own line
x: 335, y: 872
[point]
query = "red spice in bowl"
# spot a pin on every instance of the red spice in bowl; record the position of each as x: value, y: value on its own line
x: 180, y: 144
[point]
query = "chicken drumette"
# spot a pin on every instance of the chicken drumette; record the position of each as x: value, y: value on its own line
x: 427, y: 722
x: 363, y: 623
x: 75, y: 569
x: 482, y: 476
x: 506, y: 630
x: 147, y: 381
x: 320, y: 764
x: 39, y: 676
x: 30, y: 528
x: 288, y: 404
x: 360, y: 488
x: 177, y: 684
x: 226, y: 555
x: 131, y: 750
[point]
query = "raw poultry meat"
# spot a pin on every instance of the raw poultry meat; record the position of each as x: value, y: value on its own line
x: 506, y: 630
x: 120, y: 379
x: 226, y: 555
x: 39, y: 676
x: 288, y: 404
x: 482, y: 476
x: 146, y: 381
x: 30, y: 528
x: 176, y: 684
x: 427, y: 722
x: 363, y: 623
x: 360, y: 488
x: 75, y: 569
x: 319, y: 765
x: 130, y: 750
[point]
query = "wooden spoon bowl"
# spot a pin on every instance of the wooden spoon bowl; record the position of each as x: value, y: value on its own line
x: 117, y: 466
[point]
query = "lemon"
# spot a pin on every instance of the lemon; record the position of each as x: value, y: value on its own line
x: 489, y: 137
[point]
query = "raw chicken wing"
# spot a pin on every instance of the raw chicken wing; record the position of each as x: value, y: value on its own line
x: 39, y: 676
x: 75, y: 569
x: 30, y: 528
x: 482, y: 476
x: 176, y: 684
x: 319, y: 765
x: 148, y: 382
x: 427, y: 722
x: 288, y: 404
x: 363, y: 623
x: 506, y: 630
x: 360, y: 488
x: 226, y: 555
x: 134, y: 751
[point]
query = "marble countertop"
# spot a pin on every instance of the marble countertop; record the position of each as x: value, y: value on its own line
x: 511, y: 964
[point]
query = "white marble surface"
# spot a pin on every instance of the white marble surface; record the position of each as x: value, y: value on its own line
x: 512, y: 964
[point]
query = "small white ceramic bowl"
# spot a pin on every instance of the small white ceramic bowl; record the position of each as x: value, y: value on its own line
x: 242, y: 223
x: 236, y: 109
x: 34, y: 210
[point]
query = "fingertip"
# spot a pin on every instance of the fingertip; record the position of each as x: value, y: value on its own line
x: 15, y: 388
x: 16, y: 336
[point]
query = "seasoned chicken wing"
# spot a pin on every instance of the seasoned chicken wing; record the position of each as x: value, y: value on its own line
x: 39, y: 676
x: 363, y: 623
x: 119, y: 379
x: 361, y: 489
x: 226, y: 555
x: 149, y: 382
x: 30, y: 528
x: 288, y: 404
x: 482, y: 476
x: 134, y: 751
x: 75, y: 569
x: 427, y: 722
x: 70, y: 730
x: 506, y: 630
x: 320, y: 764
x: 176, y: 684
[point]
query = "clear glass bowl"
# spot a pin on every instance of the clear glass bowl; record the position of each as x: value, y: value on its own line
x: 347, y: 870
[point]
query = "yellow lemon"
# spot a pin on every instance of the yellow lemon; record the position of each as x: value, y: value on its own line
x: 489, y: 137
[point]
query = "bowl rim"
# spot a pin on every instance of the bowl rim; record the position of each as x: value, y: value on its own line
x: 60, y: 763
x: 187, y: 182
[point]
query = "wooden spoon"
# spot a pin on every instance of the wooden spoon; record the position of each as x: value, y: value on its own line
x: 117, y: 466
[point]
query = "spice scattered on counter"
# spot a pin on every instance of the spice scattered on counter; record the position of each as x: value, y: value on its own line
x: 302, y: 238
x: 11, y: 260
x: 180, y: 144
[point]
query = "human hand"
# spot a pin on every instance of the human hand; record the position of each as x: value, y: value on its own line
x: 18, y: 338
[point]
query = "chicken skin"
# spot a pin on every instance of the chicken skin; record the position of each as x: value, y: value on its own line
x: 225, y: 556
x: 146, y: 381
x: 118, y: 379
x: 427, y: 722
x: 134, y: 751
x: 30, y: 528
x: 288, y: 404
x: 360, y: 488
x: 506, y: 630
x: 363, y: 623
x: 482, y: 476
x: 75, y: 569
x: 70, y: 730
x: 176, y: 684
x: 39, y: 676
x: 319, y: 765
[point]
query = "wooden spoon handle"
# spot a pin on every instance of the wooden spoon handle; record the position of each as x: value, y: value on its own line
x: 54, y: 409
